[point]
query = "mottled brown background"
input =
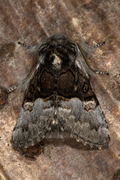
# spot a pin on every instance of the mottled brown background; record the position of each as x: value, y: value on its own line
x: 31, y: 22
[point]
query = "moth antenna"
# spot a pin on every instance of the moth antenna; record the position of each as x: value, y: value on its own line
x: 95, y: 71
x: 12, y: 89
x: 100, y: 72
x: 22, y: 44
x: 100, y: 44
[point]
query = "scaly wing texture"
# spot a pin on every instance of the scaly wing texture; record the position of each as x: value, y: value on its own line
x: 85, y: 122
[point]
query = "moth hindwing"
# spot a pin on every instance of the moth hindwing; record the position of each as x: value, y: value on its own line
x: 59, y: 98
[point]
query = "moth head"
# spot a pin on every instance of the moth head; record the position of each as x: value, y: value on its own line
x: 56, y: 52
x: 58, y: 49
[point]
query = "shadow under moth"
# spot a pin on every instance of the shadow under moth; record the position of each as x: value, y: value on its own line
x: 59, y: 100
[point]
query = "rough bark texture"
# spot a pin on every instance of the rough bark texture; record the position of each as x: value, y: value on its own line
x: 31, y: 22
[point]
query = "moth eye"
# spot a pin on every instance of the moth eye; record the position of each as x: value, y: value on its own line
x: 85, y: 87
x: 72, y: 47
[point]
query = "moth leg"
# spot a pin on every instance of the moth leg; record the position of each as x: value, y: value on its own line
x: 100, y: 72
x: 4, y: 95
x: 85, y: 58
x: 12, y: 89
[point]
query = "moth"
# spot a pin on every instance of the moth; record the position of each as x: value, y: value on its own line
x: 59, y: 101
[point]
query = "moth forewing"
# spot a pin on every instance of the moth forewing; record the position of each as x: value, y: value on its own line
x: 36, y: 60
x: 62, y: 98
x: 82, y: 61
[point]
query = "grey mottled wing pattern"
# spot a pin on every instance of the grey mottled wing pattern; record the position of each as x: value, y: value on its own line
x: 85, y: 122
x: 60, y: 98
x: 32, y: 124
